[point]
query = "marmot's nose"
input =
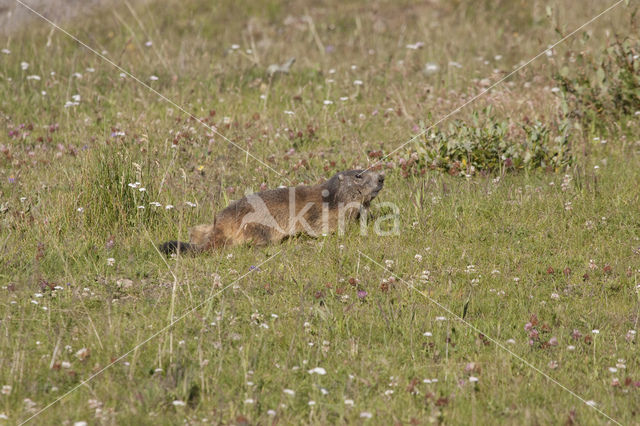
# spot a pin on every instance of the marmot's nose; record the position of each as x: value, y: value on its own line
x: 381, y: 178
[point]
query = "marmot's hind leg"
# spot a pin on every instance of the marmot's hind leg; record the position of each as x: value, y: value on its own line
x: 201, y: 235
x: 218, y: 240
x: 210, y: 237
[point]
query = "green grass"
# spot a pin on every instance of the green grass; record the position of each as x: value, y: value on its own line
x: 566, y: 255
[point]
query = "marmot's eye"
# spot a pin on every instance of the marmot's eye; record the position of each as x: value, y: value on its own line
x: 359, y: 176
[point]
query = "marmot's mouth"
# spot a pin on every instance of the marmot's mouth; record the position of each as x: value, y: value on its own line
x: 374, y: 193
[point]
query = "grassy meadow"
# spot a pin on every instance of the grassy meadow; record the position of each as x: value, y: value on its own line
x: 510, y: 294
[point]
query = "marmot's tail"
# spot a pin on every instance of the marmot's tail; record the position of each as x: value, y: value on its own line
x: 176, y: 246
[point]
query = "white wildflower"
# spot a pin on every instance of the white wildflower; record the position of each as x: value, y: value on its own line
x: 431, y: 68
x: 415, y: 46
x: 318, y: 370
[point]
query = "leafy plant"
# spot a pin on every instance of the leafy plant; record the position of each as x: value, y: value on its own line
x: 492, y: 145
x: 603, y: 90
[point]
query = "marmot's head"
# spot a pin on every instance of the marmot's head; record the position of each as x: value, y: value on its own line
x: 359, y: 186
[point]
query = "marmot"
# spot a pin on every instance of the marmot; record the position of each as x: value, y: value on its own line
x: 273, y: 215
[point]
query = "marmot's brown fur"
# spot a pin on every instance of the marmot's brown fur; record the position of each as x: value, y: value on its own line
x: 270, y: 216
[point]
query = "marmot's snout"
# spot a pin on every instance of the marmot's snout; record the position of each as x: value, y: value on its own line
x: 376, y: 182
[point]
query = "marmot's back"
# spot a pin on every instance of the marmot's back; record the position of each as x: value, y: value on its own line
x: 270, y: 216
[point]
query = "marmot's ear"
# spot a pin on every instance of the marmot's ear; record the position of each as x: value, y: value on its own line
x: 340, y: 177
